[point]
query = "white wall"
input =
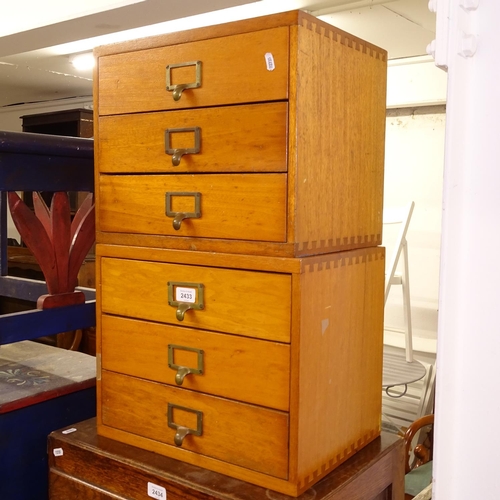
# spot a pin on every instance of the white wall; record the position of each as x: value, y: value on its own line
x: 10, y: 120
x: 414, y: 162
x: 415, y: 81
x: 467, y: 407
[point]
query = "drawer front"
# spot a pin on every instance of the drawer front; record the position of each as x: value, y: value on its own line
x: 231, y: 70
x: 247, y: 303
x: 228, y: 206
x: 249, y: 138
x: 252, y: 437
x: 199, y: 360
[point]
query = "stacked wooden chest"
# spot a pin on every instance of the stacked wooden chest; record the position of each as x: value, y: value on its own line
x: 239, y: 208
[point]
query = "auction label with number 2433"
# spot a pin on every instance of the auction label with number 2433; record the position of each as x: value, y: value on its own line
x: 183, y: 294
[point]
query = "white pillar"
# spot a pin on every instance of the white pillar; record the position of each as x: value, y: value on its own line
x: 467, y: 442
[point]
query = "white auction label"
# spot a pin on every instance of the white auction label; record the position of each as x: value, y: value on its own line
x: 58, y: 452
x: 183, y: 294
x: 269, y: 61
x: 155, y: 491
x: 69, y: 431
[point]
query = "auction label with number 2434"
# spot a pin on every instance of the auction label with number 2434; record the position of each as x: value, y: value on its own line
x: 155, y: 491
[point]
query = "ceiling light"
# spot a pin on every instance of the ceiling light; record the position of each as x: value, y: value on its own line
x: 82, y: 62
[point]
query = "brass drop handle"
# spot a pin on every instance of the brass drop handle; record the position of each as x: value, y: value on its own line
x: 179, y: 217
x: 177, y: 92
x: 178, y: 88
x: 181, y: 310
x: 176, y: 157
x: 182, y: 431
x: 181, y: 374
x: 184, y: 371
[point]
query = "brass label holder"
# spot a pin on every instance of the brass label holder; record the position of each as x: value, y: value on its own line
x: 177, y: 89
x: 182, y: 431
x: 180, y: 216
x: 183, y: 371
x: 178, y: 153
x: 185, y: 296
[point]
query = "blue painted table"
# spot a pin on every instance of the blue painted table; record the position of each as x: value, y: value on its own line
x: 42, y: 388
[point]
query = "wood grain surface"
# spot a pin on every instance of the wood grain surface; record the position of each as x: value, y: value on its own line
x: 235, y: 301
x: 251, y: 138
x: 233, y: 70
x: 233, y: 206
x: 141, y: 349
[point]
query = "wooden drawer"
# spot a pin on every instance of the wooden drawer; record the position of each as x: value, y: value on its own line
x: 241, y: 434
x: 250, y: 138
x: 227, y: 363
x: 231, y: 206
x: 252, y: 304
x: 233, y: 69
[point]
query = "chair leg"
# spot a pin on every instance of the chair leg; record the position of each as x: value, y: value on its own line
x: 407, y: 305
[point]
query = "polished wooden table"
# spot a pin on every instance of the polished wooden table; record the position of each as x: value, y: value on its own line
x: 86, y: 466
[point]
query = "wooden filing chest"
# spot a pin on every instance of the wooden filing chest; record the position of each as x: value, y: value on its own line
x: 240, y: 285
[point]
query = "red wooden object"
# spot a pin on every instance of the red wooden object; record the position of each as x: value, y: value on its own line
x: 60, y: 299
x: 59, y: 245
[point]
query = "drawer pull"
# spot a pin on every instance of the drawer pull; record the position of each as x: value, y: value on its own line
x: 182, y: 431
x: 185, y: 296
x: 181, y: 311
x: 178, y: 153
x: 177, y: 89
x: 183, y: 371
x: 180, y: 216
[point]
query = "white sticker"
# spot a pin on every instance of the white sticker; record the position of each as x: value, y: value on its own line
x: 155, y: 491
x: 269, y: 61
x: 69, y: 431
x: 58, y: 452
x: 185, y: 294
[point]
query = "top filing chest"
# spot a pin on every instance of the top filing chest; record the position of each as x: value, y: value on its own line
x: 239, y: 208
x: 283, y: 116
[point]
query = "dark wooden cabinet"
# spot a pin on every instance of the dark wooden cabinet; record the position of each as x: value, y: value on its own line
x: 70, y: 122
x: 86, y: 466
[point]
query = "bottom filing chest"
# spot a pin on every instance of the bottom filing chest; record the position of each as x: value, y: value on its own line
x: 267, y: 370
